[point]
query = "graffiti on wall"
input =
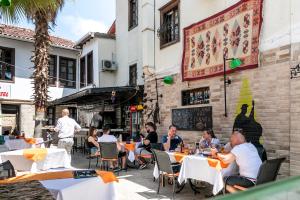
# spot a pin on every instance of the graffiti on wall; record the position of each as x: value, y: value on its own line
x: 246, y: 115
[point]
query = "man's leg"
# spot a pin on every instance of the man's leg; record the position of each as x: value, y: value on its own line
x: 237, y: 180
x: 66, y: 144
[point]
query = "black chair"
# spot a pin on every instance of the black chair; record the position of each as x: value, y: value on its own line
x: 166, y: 169
x: 90, y: 156
x: 268, y: 172
x: 6, y: 170
x: 109, y: 153
x: 262, y: 153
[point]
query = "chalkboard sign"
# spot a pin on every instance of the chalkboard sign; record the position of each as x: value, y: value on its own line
x: 192, y: 119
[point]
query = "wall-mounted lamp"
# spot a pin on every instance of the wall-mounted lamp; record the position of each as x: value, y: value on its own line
x: 234, y: 63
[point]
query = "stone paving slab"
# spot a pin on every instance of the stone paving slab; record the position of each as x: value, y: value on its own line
x: 138, y: 184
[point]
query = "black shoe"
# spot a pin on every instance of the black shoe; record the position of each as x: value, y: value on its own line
x: 124, y: 169
x: 116, y: 169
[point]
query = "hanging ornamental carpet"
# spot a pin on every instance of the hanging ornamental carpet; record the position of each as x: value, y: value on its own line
x: 232, y: 33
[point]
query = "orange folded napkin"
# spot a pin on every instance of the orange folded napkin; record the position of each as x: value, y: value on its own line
x: 130, y: 147
x: 179, y: 156
x: 30, y: 140
x: 107, y: 177
x: 35, y: 154
x: 216, y: 163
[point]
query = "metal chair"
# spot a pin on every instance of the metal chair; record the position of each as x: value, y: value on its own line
x: 109, y: 153
x: 165, y: 169
x: 90, y: 156
x: 7, y: 170
x: 145, y: 154
x: 268, y: 172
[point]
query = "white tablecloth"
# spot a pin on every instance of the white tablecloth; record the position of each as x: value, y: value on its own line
x: 81, y: 189
x: 55, y: 158
x: 197, y: 167
x: 16, y: 144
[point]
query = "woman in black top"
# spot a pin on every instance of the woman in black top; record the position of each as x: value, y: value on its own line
x: 93, y: 141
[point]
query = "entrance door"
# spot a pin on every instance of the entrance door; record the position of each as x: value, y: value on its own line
x: 9, y: 117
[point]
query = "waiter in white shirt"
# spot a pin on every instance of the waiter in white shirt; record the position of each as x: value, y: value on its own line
x: 66, y: 128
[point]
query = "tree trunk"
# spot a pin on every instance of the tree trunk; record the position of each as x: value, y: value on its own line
x: 40, y: 74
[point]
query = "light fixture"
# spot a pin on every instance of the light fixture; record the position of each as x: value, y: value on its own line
x: 168, y: 80
x: 5, y: 3
x: 234, y: 63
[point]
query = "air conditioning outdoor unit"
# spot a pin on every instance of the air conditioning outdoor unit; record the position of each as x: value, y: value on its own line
x: 108, y: 65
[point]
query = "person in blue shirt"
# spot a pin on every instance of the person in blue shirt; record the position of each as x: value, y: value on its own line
x: 171, y: 141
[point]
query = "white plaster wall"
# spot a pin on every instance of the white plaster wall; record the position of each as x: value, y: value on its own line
x: 107, y: 47
x: 91, y: 45
x: 128, y: 44
x: 21, y: 89
x: 281, y: 26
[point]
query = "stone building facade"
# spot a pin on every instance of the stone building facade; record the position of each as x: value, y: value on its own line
x: 276, y: 95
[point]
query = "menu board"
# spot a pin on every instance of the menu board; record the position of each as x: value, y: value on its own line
x: 192, y: 119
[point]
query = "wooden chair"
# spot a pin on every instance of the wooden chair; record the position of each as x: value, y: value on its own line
x: 165, y: 169
x: 268, y: 172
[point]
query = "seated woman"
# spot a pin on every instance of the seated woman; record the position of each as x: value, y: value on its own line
x: 93, y: 142
x: 209, y: 139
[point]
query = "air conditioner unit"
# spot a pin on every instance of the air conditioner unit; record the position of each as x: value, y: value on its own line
x: 108, y: 65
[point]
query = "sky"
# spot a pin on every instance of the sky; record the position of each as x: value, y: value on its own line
x: 78, y: 17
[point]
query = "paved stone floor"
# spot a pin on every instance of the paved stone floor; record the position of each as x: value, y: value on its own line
x: 138, y: 184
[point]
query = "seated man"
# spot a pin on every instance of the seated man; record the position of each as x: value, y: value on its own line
x: 247, y: 159
x: 171, y: 141
x: 145, y: 147
x: 106, y: 137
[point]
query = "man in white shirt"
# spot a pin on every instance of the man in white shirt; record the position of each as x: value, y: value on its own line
x: 66, y: 128
x: 106, y: 137
x: 247, y: 158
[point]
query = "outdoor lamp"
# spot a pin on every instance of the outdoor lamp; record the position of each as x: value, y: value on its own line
x: 5, y: 3
x: 168, y: 80
x: 234, y: 63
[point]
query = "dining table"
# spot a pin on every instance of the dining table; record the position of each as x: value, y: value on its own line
x: 200, y: 168
x: 37, y: 159
x: 22, y: 143
x: 63, y: 185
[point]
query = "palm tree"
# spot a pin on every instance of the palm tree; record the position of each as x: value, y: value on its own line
x: 42, y: 13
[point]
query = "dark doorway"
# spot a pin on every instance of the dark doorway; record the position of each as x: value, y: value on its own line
x: 10, y: 117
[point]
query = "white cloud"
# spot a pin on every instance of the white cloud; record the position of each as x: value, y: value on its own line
x: 80, y: 26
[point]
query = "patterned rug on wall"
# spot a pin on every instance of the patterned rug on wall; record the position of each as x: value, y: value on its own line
x: 233, y: 33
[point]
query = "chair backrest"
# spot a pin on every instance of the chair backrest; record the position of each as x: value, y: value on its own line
x: 7, y: 170
x: 262, y: 153
x: 157, y: 146
x: 268, y: 170
x: 163, y: 161
x: 108, y: 150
